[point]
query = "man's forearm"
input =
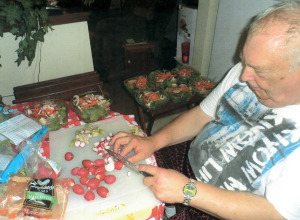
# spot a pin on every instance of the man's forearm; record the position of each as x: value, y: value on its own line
x: 183, y: 128
x: 233, y: 205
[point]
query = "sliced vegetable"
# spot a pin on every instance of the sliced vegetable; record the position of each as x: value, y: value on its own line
x: 83, y: 136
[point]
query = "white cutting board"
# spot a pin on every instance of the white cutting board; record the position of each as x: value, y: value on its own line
x: 129, y: 191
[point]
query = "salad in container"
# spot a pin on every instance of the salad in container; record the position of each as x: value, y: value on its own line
x: 162, y: 79
x: 137, y: 84
x: 180, y: 93
x: 52, y: 113
x: 152, y: 100
x: 184, y: 73
x: 202, y: 86
x: 90, y: 106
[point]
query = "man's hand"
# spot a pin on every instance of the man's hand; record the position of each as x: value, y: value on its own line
x: 166, y: 184
x: 142, y: 146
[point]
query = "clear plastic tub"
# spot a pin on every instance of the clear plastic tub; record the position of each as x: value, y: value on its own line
x: 180, y: 93
x: 152, y: 100
x: 202, y: 86
x: 90, y: 106
x: 52, y: 113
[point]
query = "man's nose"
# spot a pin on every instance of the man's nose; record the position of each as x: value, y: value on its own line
x: 247, y: 74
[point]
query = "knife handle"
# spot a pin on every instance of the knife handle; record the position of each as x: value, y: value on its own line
x: 144, y: 173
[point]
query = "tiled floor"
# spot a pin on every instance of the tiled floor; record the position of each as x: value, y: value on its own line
x: 161, y: 122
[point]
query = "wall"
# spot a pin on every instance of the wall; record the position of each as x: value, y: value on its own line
x: 233, y: 16
x: 219, y: 28
x: 206, y: 20
x: 66, y: 51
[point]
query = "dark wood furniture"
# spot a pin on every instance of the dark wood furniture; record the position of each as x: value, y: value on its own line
x: 169, y: 108
x: 139, y: 59
x: 68, y: 17
x: 61, y: 88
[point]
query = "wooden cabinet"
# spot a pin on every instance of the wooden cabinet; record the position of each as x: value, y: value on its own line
x: 139, y: 59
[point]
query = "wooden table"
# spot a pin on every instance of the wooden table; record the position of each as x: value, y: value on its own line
x: 169, y: 108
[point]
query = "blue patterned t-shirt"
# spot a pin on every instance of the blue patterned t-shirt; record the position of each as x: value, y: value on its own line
x: 243, y: 142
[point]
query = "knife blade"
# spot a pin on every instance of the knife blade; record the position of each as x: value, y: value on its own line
x: 126, y: 163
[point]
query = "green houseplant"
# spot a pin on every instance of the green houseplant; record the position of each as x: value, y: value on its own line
x: 28, y: 21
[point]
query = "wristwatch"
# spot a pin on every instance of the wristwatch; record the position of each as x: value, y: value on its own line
x: 189, y: 191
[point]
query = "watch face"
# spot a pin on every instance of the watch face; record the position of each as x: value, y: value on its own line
x: 190, y: 190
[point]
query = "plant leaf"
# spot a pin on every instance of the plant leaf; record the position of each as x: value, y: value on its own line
x: 20, y: 59
x: 39, y: 35
x: 28, y: 20
x: 14, y: 30
x: 27, y: 4
x: 43, y: 13
x: 13, y: 14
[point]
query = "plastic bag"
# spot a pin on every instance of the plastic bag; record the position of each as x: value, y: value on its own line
x: 5, y: 114
x: 44, y: 167
x: 26, y: 150
x: 28, y: 198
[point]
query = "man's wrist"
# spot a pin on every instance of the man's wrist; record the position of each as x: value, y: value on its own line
x: 189, y: 191
x: 159, y: 141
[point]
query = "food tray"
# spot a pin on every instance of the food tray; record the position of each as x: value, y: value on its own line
x: 180, y: 93
x: 137, y: 84
x: 184, y: 73
x: 90, y: 106
x: 162, y: 79
x: 52, y: 113
x: 152, y: 100
x: 202, y: 86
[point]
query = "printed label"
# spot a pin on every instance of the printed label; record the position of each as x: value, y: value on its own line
x: 40, y: 193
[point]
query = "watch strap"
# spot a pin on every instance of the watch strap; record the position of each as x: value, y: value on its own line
x: 187, y: 199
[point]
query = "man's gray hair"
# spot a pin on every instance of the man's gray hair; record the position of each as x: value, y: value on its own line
x: 287, y: 12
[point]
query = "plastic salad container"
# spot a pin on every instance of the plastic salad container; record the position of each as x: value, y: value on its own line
x: 90, y: 106
x: 202, y: 86
x: 152, y: 100
x: 52, y: 113
x: 184, y: 73
x: 137, y: 84
x: 180, y: 93
x: 162, y: 79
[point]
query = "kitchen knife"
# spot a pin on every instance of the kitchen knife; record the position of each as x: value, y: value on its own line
x: 126, y: 163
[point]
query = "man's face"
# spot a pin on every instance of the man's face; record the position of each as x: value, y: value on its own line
x: 267, y: 70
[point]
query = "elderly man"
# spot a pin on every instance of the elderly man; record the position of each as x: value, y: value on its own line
x: 244, y: 154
